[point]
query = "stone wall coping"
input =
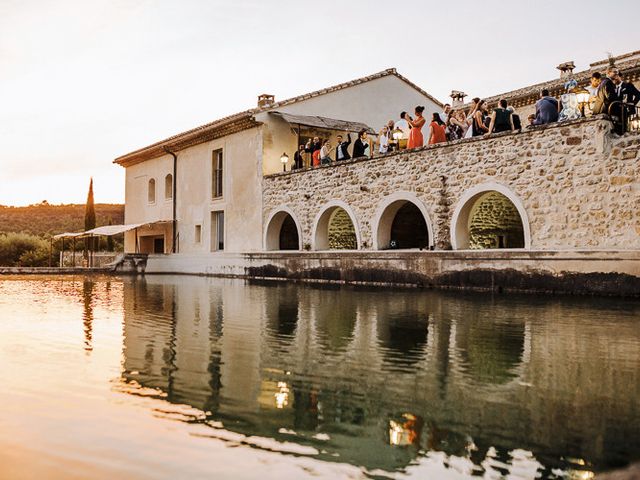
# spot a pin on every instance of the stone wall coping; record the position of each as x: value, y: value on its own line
x: 528, y: 130
x: 488, y: 254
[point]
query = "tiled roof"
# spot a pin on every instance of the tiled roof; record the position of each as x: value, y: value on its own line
x: 529, y: 95
x: 243, y: 120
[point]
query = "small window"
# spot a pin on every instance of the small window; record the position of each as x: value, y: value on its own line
x: 216, y: 180
x: 217, y: 231
x: 151, y: 194
x: 168, y: 187
x: 198, y: 234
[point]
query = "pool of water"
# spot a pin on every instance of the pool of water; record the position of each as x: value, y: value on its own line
x: 192, y: 377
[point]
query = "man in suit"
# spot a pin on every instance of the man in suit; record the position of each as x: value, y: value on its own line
x: 628, y: 94
x: 606, y: 93
x: 342, y: 152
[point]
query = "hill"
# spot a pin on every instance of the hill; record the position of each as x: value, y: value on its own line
x: 43, y: 219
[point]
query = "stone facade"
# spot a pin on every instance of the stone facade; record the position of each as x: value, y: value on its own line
x: 575, y: 185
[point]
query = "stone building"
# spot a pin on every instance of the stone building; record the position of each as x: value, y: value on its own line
x: 213, y: 189
x: 549, y: 203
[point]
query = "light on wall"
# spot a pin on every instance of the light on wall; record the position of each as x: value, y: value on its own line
x: 284, y: 159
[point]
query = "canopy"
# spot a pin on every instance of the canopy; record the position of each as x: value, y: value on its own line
x: 108, y: 230
x: 324, y: 122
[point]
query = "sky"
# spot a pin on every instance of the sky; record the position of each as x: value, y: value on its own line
x: 85, y: 81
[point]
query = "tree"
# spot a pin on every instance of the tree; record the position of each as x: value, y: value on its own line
x: 89, y: 217
x: 110, y: 245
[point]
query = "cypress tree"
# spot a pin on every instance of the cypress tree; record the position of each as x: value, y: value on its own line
x: 110, y: 245
x: 89, y: 215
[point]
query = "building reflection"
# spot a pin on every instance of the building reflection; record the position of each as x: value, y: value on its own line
x: 374, y: 378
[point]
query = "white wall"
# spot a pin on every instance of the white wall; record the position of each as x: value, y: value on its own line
x: 242, y: 193
x: 373, y: 103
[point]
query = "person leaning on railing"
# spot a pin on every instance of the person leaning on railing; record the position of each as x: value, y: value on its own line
x: 628, y: 94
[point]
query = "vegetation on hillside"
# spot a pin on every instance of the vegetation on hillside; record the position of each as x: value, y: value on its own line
x: 45, y: 220
x: 25, y: 232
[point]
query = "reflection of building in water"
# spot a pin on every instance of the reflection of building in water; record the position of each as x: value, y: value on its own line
x: 375, y: 370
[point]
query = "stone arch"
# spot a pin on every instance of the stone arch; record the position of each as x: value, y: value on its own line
x: 283, y: 230
x: 502, y: 206
x: 396, y: 210
x: 338, y: 217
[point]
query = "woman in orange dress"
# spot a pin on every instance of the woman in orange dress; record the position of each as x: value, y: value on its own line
x: 415, y: 136
x: 437, y: 133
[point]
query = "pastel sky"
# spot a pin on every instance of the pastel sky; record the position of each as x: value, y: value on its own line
x: 84, y: 81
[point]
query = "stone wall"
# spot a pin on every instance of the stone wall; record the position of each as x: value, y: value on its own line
x: 577, y: 184
x: 342, y: 235
x: 495, y: 216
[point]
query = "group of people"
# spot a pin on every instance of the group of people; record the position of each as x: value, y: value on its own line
x: 318, y: 152
x: 453, y: 124
x: 448, y: 125
x: 604, y: 92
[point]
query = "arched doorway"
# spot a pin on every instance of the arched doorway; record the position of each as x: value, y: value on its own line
x: 282, y: 232
x: 489, y: 218
x: 402, y: 223
x: 336, y: 229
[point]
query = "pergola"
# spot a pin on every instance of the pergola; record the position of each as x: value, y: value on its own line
x: 104, y: 231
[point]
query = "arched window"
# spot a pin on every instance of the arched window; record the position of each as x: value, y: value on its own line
x: 336, y: 229
x: 282, y: 232
x: 490, y: 218
x: 168, y: 187
x: 151, y: 194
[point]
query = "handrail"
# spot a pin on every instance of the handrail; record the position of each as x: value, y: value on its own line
x: 625, y: 116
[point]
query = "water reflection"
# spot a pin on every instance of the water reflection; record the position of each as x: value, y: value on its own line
x: 87, y: 313
x: 385, y: 379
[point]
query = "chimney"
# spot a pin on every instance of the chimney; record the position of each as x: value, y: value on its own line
x: 265, y: 100
x: 566, y: 69
x: 457, y: 98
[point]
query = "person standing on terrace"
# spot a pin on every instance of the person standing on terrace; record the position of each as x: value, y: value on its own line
x: 478, y: 127
x: 415, y: 136
x: 446, y: 111
x: 456, y: 125
x: 313, y: 149
x: 298, y: 158
x: 546, y: 109
x: 437, y: 132
x: 325, y: 158
x: 383, y: 140
x: 501, y: 119
x: 342, y: 152
x: 606, y: 93
x: 361, y: 145
x: 403, y: 125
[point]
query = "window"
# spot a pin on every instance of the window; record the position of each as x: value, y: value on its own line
x: 198, y: 234
x: 168, y: 187
x: 217, y: 231
x: 151, y: 194
x: 216, y: 179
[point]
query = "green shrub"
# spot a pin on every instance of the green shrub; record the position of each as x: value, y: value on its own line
x: 16, y: 248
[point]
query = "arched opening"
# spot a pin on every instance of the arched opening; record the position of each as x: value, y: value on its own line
x: 335, y: 230
x: 168, y: 187
x: 402, y: 225
x: 489, y: 219
x: 282, y: 232
x: 151, y: 192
